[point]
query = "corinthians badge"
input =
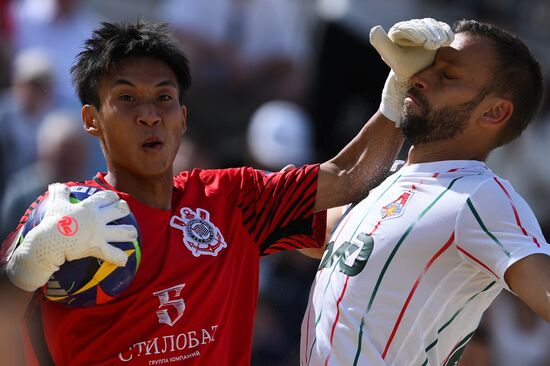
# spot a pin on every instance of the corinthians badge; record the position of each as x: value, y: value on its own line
x: 200, y: 236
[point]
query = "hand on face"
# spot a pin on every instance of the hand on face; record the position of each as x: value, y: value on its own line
x: 410, y: 47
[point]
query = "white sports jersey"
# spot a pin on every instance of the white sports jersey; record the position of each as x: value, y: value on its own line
x: 410, y: 270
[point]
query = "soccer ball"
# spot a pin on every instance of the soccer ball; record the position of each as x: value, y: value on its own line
x: 88, y: 281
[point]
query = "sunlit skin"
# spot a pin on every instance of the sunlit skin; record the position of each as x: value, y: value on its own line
x: 139, y: 123
x: 459, y: 73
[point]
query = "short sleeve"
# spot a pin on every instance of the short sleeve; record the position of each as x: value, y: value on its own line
x: 495, y: 228
x: 277, y: 208
x: 10, y: 242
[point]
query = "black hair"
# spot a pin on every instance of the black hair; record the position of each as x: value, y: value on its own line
x: 113, y: 42
x: 517, y: 75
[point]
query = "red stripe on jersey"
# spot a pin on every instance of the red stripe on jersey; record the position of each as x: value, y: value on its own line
x: 300, y: 198
x: 291, y: 237
x: 337, y: 316
x: 287, y: 244
x: 375, y: 227
x: 476, y: 260
x: 413, y: 290
x: 7, y: 248
x: 516, y: 215
x: 342, y: 296
x: 262, y: 211
x: 280, y: 208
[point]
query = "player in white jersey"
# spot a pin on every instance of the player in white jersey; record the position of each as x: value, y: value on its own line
x: 409, y: 271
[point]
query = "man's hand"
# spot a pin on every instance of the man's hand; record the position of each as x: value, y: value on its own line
x: 411, y: 46
x: 408, y: 48
x: 70, y: 231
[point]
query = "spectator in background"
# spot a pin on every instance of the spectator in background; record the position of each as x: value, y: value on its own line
x: 22, y: 109
x: 62, y: 148
x: 249, y: 52
x: 279, y: 133
x: 60, y: 27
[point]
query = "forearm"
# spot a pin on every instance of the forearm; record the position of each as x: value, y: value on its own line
x: 410, y: 47
x: 13, y: 303
x: 529, y: 278
x: 360, y: 165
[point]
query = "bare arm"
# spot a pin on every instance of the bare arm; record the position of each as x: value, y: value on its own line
x: 359, y: 167
x: 529, y: 278
x: 410, y: 47
x: 13, y: 303
x: 333, y: 217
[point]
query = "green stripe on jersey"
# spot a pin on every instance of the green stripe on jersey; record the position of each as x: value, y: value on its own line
x: 392, y: 254
x: 431, y: 345
x: 482, y: 225
x: 457, y: 352
x: 336, y: 260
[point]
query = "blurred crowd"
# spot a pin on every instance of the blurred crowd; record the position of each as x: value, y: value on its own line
x: 274, y: 82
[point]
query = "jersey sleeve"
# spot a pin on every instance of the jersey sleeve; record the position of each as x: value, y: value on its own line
x: 496, y: 228
x: 277, y: 208
x: 10, y: 242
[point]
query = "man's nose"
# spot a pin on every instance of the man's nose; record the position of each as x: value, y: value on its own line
x: 420, y: 80
x: 148, y: 115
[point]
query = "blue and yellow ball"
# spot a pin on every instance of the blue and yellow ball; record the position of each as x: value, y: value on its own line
x: 88, y: 281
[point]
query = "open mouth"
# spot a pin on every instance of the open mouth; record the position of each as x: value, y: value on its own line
x: 153, y: 143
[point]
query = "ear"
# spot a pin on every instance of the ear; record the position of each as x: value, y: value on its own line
x: 88, y: 119
x: 183, y: 119
x: 497, y: 112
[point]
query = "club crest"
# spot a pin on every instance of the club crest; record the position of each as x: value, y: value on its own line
x: 396, y: 207
x: 200, y: 236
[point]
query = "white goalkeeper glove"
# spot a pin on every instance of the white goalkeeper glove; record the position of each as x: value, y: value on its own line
x: 70, y: 231
x: 408, y: 48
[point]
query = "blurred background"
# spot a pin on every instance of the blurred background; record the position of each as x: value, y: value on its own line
x: 274, y: 82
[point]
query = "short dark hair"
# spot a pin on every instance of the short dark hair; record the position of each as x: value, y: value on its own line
x: 516, y: 77
x: 113, y: 42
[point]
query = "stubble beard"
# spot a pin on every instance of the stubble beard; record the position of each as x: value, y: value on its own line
x: 433, y: 125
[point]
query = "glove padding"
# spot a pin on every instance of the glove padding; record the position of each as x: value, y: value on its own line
x: 409, y: 47
x: 393, y: 97
x: 48, y: 245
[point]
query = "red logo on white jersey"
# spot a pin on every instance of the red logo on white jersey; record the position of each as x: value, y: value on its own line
x: 200, y: 236
x: 167, y: 301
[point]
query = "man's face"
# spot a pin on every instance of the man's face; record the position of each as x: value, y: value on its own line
x: 444, y: 97
x: 140, y: 122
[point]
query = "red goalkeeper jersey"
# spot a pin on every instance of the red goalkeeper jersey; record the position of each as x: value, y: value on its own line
x: 193, y: 299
